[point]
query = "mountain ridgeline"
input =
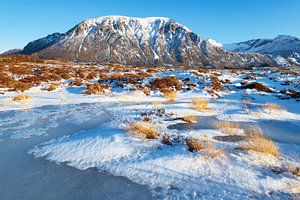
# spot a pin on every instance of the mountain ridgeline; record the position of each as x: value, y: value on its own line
x: 140, y: 42
x: 284, y: 48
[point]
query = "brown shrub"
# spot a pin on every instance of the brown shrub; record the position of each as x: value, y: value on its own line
x: 166, y: 139
x: 196, y: 73
x: 146, y: 90
x: 20, y: 70
x: 82, y: 73
x: 104, y: 77
x: 95, y: 88
x: 21, y: 86
x: 92, y: 75
x: 204, y: 70
x: 152, y: 71
x: 51, y: 87
x: 76, y: 82
x: 49, y: 76
x: 34, y: 80
x: 257, y: 86
x: 6, y: 81
x: 117, y: 77
x: 144, y: 130
x: 216, y: 83
x: 68, y: 76
x: 166, y: 83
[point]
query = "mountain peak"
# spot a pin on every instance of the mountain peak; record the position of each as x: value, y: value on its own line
x: 284, y: 46
x: 152, y: 41
x: 286, y: 37
x: 136, y: 21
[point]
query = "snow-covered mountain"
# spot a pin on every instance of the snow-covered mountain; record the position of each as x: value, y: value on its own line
x: 13, y: 51
x: 40, y: 44
x: 139, y: 41
x: 284, y: 48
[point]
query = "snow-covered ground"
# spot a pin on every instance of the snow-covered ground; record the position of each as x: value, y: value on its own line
x: 170, y: 172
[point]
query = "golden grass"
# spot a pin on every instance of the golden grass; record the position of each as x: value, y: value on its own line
x: 273, y: 107
x: 196, y: 144
x: 203, y: 144
x: 199, y: 104
x: 257, y: 141
x: 144, y: 130
x: 6, y: 102
x: 156, y: 104
x: 169, y: 95
x: 21, y: 97
x: 227, y: 127
x: 190, y: 119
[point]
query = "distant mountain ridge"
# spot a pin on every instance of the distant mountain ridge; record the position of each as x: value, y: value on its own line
x: 283, y: 48
x: 141, y: 42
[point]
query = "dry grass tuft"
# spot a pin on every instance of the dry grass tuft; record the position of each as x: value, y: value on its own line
x: 169, y: 94
x: 196, y: 144
x: 257, y: 141
x: 203, y: 144
x: 199, y: 104
x: 190, y: 119
x: 144, y: 130
x: 21, y: 97
x: 273, y: 107
x: 166, y: 139
x: 227, y: 127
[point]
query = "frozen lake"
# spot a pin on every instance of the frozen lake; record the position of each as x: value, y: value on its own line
x: 22, y: 176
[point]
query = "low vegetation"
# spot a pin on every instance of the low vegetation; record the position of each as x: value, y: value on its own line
x: 170, y: 95
x: 95, y: 88
x: 227, y: 127
x: 200, y: 104
x: 190, y: 119
x: 257, y: 141
x: 21, y: 97
x: 144, y: 130
x: 273, y: 107
x: 167, y: 83
x: 257, y: 86
x: 203, y: 145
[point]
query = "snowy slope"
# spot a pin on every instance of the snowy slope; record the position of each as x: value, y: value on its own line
x: 142, y: 41
x: 42, y: 43
x: 283, y: 46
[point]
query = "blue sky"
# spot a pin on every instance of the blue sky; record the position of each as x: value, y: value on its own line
x: 223, y: 20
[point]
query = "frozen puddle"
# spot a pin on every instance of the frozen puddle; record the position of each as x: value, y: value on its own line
x: 22, y: 176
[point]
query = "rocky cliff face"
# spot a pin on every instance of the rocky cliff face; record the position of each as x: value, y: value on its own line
x: 139, y: 41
